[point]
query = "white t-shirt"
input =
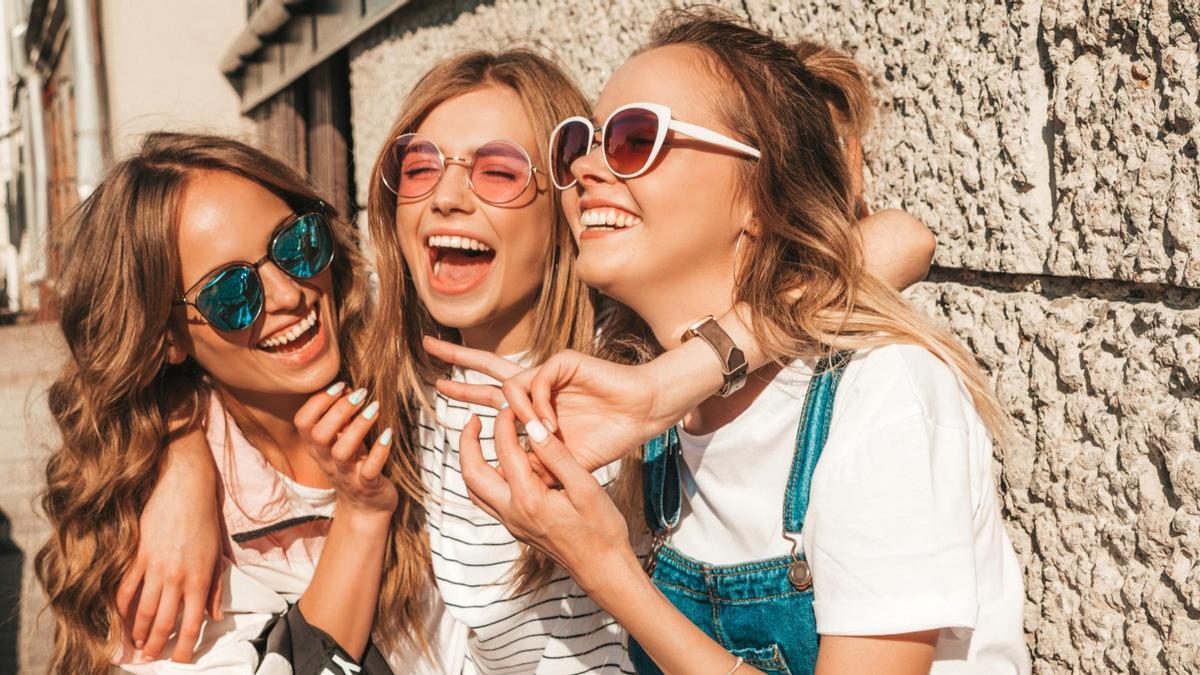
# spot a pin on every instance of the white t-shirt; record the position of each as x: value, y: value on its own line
x: 903, y: 531
x: 553, y: 629
x: 321, y: 500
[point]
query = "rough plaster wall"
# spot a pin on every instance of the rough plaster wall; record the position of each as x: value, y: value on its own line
x: 1053, y: 148
x: 1102, y: 491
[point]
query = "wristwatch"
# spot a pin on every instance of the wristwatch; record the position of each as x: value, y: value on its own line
x: 733, y: 361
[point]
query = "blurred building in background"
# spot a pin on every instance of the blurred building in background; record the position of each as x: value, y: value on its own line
x: 85, y: 79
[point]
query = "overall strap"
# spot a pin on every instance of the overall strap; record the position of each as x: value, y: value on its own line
x: 810, y: 437
x: 660, y: 481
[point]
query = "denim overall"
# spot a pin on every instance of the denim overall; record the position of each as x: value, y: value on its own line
x: 762, y: 610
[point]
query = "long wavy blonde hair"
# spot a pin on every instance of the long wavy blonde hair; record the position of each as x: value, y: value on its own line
x: 808, y: 290
x: 118, y: 402
x: 564, y: 313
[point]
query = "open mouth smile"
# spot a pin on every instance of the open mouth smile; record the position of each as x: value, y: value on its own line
x: 604, y: 220
x: 457, y: 263
x: 295, y: 338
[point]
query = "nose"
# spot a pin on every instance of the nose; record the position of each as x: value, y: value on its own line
x: 591, y: 169
x: 452, y: 193
x: 281, y: 293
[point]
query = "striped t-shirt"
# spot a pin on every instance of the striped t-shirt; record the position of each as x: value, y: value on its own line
x: 555, y: 629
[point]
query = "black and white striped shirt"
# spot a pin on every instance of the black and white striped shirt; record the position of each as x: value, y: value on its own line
x: 553, y: 630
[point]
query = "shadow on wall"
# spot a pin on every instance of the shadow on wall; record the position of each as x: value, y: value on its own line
x: 11, y: 559
x: 424, y: 14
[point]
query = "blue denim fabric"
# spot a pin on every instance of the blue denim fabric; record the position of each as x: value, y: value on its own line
x: 750, y: 608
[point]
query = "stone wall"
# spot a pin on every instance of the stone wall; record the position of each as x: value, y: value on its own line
x: 1052, y: 147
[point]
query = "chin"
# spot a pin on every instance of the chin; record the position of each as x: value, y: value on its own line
x: 600, y: 274
x: 459, y: 315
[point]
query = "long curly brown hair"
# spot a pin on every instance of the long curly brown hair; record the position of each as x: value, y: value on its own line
x: 118, y: 402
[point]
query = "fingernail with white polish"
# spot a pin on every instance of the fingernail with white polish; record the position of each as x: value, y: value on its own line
x: 536, y: 431
x: 358, y: 396
x: 371, y: 411
x: 386, y: 437
x: 336, y: 388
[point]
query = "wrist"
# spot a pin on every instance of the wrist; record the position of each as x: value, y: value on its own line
x: 363, y: 520
x: 617, y: 580
x: 683, y: 378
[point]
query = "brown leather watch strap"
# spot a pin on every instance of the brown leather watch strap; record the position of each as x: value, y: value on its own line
x: 733, y: 361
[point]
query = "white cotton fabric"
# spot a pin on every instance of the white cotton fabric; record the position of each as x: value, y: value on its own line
x: 554, y: 629
x: 903, y: 530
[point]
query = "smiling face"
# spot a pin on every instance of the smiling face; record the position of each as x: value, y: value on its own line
x: 662, y: 242
x: 478, y: 267
x: 292, y: 347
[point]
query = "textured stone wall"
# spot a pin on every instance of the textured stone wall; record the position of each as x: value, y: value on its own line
x: 1052, y: 147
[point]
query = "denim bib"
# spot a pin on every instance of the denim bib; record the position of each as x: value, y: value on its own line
x: 761, y: 610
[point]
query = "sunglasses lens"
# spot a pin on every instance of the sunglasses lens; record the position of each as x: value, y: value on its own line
x: 304, y: 248
x: 412, y: 167
x: 570, y: 142
x: 500, y: 172
x: 629, y: 140
x: 232, y: 300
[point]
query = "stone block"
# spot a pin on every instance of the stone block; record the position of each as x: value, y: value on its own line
x: 1101, y: 483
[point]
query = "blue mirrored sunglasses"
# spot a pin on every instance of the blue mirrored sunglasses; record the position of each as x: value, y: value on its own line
x: 230, y: 297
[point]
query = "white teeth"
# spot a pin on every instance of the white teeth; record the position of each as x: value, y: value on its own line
x: 464, y: 243
x: 297, y: 329
x: 608, y: 218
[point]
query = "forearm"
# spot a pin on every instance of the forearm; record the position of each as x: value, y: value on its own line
x: 189, y: 463
x: 344, y: 590
x: 902, y: 654
x: 684, y: 377
x: 669, y: 637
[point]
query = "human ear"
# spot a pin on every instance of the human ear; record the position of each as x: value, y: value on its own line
x: 176, y: 354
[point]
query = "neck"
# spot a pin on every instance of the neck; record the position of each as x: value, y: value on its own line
x: 670, y: 309
x: 715, y: 412
x: 266, y: 420
x: 502, y: 335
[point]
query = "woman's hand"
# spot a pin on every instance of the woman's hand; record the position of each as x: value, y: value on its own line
x: 578, y: 526
x: 178, y: 558
x: 601, y: 410
x: 581, y: 529
x: 334, y: 427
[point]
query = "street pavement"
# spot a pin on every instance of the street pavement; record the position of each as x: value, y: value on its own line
x: 30, y: 357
